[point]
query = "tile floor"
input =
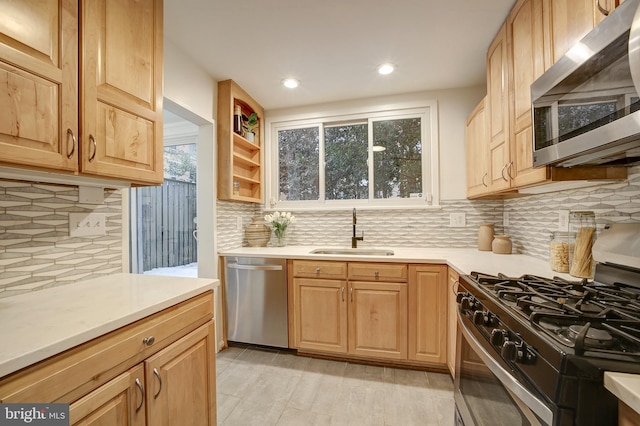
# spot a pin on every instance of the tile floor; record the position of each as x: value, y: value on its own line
x: 258, y: 386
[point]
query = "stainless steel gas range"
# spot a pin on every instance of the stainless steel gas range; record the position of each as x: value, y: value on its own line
x: 533, y: 350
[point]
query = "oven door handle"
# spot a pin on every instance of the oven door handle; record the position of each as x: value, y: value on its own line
x: 507, y: 380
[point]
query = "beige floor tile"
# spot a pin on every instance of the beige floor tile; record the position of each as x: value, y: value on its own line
x: 293, y: 417
x: 224, y: 405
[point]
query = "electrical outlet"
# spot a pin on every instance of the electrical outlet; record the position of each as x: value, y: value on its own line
x: 563, y: 220
x: 239, y: 223
x: 87, y: 224
x: 457, y: 220
x: 505, y: 219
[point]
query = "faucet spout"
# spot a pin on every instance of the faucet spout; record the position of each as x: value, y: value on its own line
x: 354, y: 239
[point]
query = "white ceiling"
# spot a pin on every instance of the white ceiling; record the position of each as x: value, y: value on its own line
x: 334, y: 46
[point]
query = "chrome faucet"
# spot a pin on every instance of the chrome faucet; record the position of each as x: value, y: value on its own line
x: 354, y: 239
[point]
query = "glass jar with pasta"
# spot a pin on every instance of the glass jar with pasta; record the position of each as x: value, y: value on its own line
x: 581, y: 264
x: 561, y: 245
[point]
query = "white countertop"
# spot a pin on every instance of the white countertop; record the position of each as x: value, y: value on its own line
x: 463, y: 260
x: 37, y: 325
x: 625, y: 386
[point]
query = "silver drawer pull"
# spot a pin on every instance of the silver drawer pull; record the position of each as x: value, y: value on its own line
x: 376, y: 274
x: 317, y: 270
x: 149, y: 340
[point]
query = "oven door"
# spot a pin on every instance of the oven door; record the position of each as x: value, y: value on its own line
x: 486, y: 393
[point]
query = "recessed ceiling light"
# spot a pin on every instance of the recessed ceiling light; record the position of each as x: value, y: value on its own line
x: 385, y: 69
x: 291, y: 83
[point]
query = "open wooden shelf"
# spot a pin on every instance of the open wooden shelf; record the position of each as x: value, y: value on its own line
x: 239, y: 160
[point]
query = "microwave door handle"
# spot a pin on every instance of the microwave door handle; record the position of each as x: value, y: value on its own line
x: 508, y: 381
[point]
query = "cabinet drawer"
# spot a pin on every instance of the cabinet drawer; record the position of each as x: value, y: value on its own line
x: 396, y: 272
x: 73, y: 373
x: 319, y: 269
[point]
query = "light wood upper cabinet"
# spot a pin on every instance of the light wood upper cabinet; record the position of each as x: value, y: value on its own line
x: 477, y: 150
x: 121, y: 96
x: 39, y: 84
x: 526, y: 61
x: 570, y: 20
x: 498, y: 113
x: 428, y: 313
x: 87, y: 103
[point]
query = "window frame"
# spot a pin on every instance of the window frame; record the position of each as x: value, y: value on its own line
x: 426, y: 110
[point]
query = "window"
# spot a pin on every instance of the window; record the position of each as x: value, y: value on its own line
x: 383, y: 158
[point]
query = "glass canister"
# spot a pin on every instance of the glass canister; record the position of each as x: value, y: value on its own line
x: 561, y: 245
x: 581, y: 263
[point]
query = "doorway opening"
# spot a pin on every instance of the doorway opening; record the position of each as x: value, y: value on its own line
x: 164, y: 224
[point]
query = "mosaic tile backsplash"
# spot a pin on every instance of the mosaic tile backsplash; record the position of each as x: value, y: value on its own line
x: 531, y: 220
x: 35, y: 248
x: 36, y: 251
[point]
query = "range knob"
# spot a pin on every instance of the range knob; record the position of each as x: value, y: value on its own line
x: 467, y: 303
x: 498, y: 336
x: 480, y: 318
x: 460, y: 295
x: 511, y: 351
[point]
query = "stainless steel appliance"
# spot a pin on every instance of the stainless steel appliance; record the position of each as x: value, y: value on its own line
x: 533, y: 351
x: 256, y: 300
x: 586, y: 107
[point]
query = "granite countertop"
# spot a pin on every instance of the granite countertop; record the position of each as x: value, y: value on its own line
x: 37, y: 325
x: 463, y: 260
x: 624, y: 386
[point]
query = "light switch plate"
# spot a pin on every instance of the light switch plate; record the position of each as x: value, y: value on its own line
x: 563, y: 220
x: 457, y: 220
x: 87, y: 224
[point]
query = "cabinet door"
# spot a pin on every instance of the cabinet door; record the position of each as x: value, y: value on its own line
x: 476, y: 149
x: 121, y: 97
x: 119, y: 402
x: 181, y: 381
x: 452, y: 319
x: 320, y: 315
x: 569, y: 21
x: 498, y: 114
x: 38, y: 84
x: 378, y: 320
x: 428, y: 313
x: 526, y: 64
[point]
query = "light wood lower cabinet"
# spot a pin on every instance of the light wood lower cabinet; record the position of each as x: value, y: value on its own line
x: 320, y: 315
x: 378, y: 319
x: 428, y: 313
x: 452, y: 319
x: 119, y: 402
x: 372, y: 310
x: 159, y: 370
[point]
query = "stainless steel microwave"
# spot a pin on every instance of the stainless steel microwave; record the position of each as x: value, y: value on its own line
x: 586, y: 107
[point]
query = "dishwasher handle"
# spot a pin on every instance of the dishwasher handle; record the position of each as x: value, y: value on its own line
x: 254, y: 267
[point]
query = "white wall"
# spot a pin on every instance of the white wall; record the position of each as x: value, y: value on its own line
x: 454, y: 106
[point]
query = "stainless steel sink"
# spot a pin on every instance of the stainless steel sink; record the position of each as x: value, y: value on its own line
x: 354, y: 251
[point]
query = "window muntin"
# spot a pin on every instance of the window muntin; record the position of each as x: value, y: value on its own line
x: 411, y: 135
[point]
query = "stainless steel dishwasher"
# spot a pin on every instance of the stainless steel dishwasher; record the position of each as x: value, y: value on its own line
x: 256, y: 300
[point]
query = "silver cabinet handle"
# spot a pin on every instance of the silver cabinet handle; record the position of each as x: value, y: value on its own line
x: 342, y: 292
x: 71, y: 136
x: 483, y: 178
x: 376, y: 274
x: 254, y: 267
x: 149, y: 340
x: 139, y: 385
x: 317, y: 270
x: 157, y: 374
x: 502, y: 172
x: 95, y: 148
x: 509, y: 169
x: 351, y: 292
x: 602, y: 10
